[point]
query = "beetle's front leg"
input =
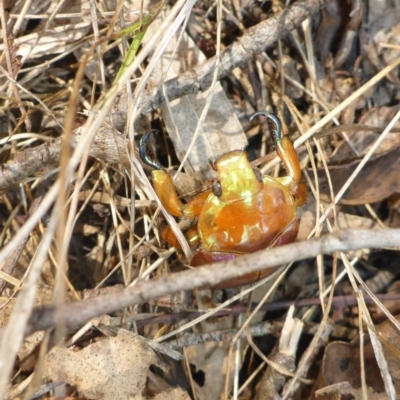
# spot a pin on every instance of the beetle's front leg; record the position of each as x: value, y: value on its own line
x: 288, y: 156
x: 165, y: 189
x: 284, y: 148
x: 166, y: 192
x: 162, y: 182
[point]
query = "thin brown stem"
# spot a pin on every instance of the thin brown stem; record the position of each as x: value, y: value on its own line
x: 78, y: 313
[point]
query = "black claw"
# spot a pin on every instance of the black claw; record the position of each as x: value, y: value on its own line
x: 274, y: 123
x: 143, y: 151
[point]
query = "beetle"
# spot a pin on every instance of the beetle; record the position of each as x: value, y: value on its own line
x: 243, y: 211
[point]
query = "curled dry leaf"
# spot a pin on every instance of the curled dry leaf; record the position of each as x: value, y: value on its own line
x: 368, y: 187
x: 290, y: 68
x: 112, y: 368
x: 362, y: 140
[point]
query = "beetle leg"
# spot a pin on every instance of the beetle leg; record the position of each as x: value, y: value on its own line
x: 151, y: 162
x: 284, y: 149
x: 190, y: 210
x: 194, y: 207
x: 300, y: 194
x: 162, y: 182
x: 191, y: 234
x: 165, y: 188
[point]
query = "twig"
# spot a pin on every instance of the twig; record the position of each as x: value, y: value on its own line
x: 192, y: 339
x: 281, y: 362
x: 255, y: 40
x: 29, y: 162
x: 339, y: 302
x: 307, y: 359
x: 76, y: 314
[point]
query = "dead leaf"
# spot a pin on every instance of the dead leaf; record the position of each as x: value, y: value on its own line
x: 344, y: 389
x: 174, y: 394
x: 341, y: 362
x: 383, y: 28
x: 377, y: 180
x: 111, y: 368
x: 361, y: 140
x: 393, y: 306
x: 346, y: 221
x: 389, y: 335
x: 221, y: 130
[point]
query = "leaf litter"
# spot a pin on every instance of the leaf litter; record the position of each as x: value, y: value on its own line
x: 112, y: 235
x: 111, y: 368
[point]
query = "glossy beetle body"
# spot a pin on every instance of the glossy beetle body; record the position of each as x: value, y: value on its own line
x: 243, y: 212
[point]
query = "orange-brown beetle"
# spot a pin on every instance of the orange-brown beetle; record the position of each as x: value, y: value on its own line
x: 243, y: 211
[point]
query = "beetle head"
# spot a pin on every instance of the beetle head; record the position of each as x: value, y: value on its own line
x: 236, y: 177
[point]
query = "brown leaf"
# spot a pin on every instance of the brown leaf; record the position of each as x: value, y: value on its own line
x: 220, y: 132
x: 341, y: 362
x: 112, y: 368
x: 377, y: 180
x: 174, y: 394
x: 362, y: 139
